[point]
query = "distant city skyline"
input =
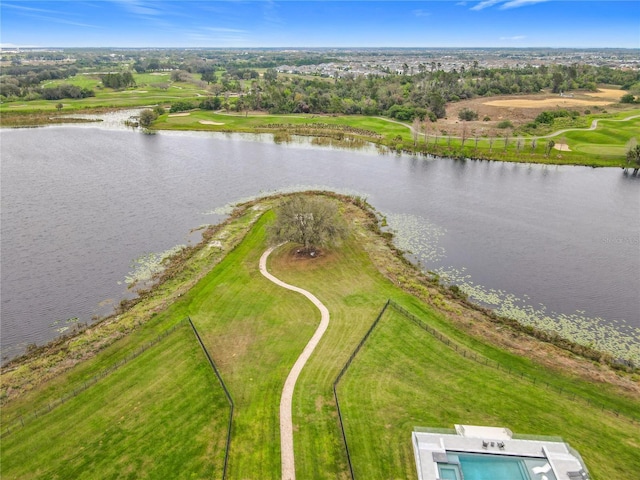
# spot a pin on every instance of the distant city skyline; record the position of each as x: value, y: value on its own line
x: 299, y: 24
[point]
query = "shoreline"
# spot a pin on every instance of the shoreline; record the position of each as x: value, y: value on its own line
x: 432, y: 145
x: 187, y: 267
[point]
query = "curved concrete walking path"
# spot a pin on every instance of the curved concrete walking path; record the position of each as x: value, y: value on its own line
x: 286, y: 421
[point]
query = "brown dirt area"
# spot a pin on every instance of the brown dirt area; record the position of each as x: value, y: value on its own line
x: 522, y: 109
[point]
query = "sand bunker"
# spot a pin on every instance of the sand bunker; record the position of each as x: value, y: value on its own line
x: 563, y: 147
x: 547, y: 102
x: 209, y: 122
x: 185, y: 114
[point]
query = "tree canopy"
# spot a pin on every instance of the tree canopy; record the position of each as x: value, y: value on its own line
x: 310, y: 221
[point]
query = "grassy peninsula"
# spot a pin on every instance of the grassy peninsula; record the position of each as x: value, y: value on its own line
x: 141, y: 400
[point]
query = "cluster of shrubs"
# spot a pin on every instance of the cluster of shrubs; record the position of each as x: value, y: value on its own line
x: 209, y: 103
x: 118, y: 81
x: 147, y: 116
x: 181, y: 106
x: 407, y: 113
x: 548, y: 117
x: 467, y: 115
x: 66, y: 91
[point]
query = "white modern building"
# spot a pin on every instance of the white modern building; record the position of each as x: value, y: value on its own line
x: 490, y: 453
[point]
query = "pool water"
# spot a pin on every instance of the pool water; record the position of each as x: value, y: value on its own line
x: 468, y: 466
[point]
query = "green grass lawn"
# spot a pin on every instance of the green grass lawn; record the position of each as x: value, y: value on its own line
x: 608, y: 140
x: 255, y: 331
x: 162, y: 415
x: 404, y: 377
x: 148, y: 91
x: 603, y: 147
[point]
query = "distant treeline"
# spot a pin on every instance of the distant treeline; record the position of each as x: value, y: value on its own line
x: 417, y: 91
x: 421, y: 95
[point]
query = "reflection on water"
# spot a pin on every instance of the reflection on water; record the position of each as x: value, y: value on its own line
x: 80, y: 203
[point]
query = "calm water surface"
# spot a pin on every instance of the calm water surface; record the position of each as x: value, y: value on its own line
x: 79, y: 204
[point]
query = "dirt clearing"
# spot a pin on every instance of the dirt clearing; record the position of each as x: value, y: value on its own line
x: 547, y: 102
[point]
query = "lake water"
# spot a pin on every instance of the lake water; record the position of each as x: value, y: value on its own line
x: 80, y: 203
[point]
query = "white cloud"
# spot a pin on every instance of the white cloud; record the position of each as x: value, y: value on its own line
x: 505, y: 4
x: 514, y: 38
x: 224, y: 30
x: 485, y: 4
x: 519, y: 3
x: 421, y: 13
x: 139, y: 7
x: 28, y: 9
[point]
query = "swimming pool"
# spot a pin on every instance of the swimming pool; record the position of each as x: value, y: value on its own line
x: 470, y: 466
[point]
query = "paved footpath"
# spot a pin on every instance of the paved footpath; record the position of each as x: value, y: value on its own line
x: 286, y: 422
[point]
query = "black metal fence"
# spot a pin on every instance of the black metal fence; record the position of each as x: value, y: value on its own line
x: 25, y: 418
x: 226, y: 392
x: 461, y: 350
x: 472, y: 355
x: 344, y: 369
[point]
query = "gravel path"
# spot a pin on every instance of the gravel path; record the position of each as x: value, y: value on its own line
x: 286, y: 422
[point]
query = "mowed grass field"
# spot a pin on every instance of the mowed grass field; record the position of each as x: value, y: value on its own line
x: 162, y: 415
x: 608, y: 139
x: 149, y: 90
x: 255, y: 331
x: 404, y: 377
x: 604, y: 146
x: 199, y: 120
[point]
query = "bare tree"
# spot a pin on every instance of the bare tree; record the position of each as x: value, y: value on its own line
x: 507, y: 136
x: 549, y: 147
x: 519, y: 144
x: 415, y: 130
x: 464, y: 135
x: 534, y: 144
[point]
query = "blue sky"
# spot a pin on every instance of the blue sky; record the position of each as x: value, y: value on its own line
x: 235, y: 23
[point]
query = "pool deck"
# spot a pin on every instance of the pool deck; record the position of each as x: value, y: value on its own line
x: 431, y: 448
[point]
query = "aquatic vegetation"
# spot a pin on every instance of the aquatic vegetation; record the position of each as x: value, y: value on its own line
x: 420, y: 237
x: 620, y: 339
x: 147, y: 266
x: 417, y: 236
x: 61, y: 326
